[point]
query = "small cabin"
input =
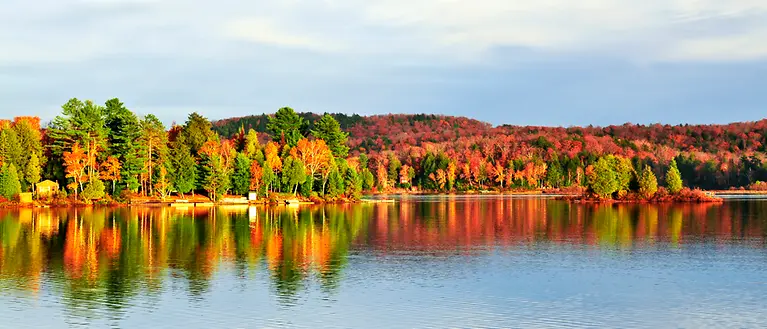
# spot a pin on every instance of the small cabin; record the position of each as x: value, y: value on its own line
x: 46, y: 188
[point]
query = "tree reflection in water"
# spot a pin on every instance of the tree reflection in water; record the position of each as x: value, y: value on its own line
x: 106, y: 257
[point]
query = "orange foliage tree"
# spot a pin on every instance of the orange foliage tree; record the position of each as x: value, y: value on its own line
x: 75, y: 162
x: 315, y: 155
x: 110, y: 170
x: 256, y: 176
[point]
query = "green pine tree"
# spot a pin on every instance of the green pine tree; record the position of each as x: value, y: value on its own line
x: 216, y: 179
x: 32, y: 175
x: 353, y: 183
x: 673, y: 178
x: 335, y: 184
x: 10, y: 149
x: 241, y: 174
x: 329, y: 130
x: 196, y: 132
x: 183, y: 168
x: 288, y: 125
x: 94, y: 190
x: 648, y: 183
x: 10, y: 186
x: 368, y: 180
x: 624, y: 171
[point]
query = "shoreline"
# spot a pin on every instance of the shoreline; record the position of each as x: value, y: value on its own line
x: 691, y: 196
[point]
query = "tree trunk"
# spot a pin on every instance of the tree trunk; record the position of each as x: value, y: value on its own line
x: 324, y: 182
x: 149, y: 159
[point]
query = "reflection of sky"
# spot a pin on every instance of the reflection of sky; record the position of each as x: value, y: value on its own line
x: 540, y: 286
x: 557, y: 62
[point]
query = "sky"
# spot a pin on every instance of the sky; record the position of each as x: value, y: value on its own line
x: 543, y: 62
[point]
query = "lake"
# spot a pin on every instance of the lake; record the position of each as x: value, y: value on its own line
x: 423, y: 262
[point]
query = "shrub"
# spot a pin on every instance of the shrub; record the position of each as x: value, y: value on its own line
x: 94, y: 190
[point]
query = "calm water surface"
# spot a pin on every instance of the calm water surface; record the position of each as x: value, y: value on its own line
x: 420, y: 263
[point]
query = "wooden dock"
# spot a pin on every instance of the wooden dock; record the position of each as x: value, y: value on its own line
x: 377, y: 200
x: 292, y: 202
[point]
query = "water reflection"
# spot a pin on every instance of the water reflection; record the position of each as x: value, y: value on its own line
x: 95, y: 258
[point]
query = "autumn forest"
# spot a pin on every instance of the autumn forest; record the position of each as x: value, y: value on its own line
x: 107, y: 153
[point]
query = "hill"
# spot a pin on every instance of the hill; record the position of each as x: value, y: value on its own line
x: 709, y: 156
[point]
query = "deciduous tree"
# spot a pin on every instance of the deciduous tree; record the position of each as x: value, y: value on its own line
x: 603, y: 180
x: 293, y: 173
x: 110, y: 170
x: 75, y: 164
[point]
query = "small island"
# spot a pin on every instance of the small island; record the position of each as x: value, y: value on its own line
x: 613, y: 179
x: 107, y: 155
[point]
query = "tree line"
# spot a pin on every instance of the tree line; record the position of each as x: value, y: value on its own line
x: 107, y: 150
x: 97, y: 150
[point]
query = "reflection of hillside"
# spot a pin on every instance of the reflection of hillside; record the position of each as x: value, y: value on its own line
x: 113, y: 255
x: 506, y: 222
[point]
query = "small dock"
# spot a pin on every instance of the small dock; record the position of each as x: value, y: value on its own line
x: 377, y: 200
x: 292, y: 202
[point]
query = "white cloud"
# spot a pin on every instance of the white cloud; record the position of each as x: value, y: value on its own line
x: 431, y: 30
x: 261, y: 30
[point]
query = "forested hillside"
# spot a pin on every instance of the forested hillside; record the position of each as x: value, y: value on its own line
x: 102, y: 151
x: 708, y: 156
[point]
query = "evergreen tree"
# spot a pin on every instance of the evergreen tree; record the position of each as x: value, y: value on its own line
x: 307, y: 186
x: 603, y: 180
x: 553, y: 174
x: 368, y: 180
x: 288, y: 125
x: 32, y: 175
x: 216, y: 180
x: 363, y: 160
x: 648, y: 183
x: 10, y: 186
x: 182, y: 168
x: 83, y: 123
x: 241, y: 175
x: 94, y: 190
x: 673, y: 178
x: 197, y: 131
x: 624, y: 171
x: 124, y: 132
x: 394, y: 166
x: 30, y: 142
x: 329, y: 130
x: 10, y: 149
x: 353, y: 183
x: 335, y: 183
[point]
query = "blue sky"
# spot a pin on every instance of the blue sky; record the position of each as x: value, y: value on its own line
x: 549, y: 62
